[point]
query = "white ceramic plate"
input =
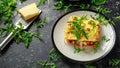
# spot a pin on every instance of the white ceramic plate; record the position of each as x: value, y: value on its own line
x: 68, y: 51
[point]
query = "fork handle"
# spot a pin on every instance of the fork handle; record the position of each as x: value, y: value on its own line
x: 6, y: 41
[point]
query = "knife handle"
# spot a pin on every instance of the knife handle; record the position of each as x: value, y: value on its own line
x: 6, y: 41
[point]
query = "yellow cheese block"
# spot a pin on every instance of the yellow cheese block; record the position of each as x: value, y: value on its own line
x: 29, y: 11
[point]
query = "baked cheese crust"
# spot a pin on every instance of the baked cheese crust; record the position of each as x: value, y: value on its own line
x: 91, y: 27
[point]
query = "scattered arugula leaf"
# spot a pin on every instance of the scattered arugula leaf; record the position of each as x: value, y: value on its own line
x: 5, y: 30
x: 102, y: 10
x: 40, y: 2
x: 40, y: 23
x: 104, y: 38
x: 6, y: 9
x: 98, y: 2
x: 97, y: 44
x: 100, y: 18
x: 53, y: 55
x: 24, y: 36
x: 46, y: 64
x: 77, y: 49
x: 117, y: 17
x: 89, y: 66
x: 114, y: 62
x: 59, y: 4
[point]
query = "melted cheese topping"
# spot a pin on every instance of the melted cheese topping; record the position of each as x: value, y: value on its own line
x: 91, y: 27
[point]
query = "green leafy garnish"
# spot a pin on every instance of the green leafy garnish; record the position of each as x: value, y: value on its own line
x: 40, y: 2
x: 78, y: 49
x: 89, y: 66
x: 78, y: 29
x: 97, y: 44
x: 5, y: 30
x: 6, y: 9
x: 105, y: 38
x: 101, y: 19
x: 24, y: 36
x: 102, y: 10
x: 76, y: 34
x: 46, y: 64
x: 59, y: 5
x: 114, y: 62
x: 53, y: 55
x: 84, y: 33
x: 116, y: 17
x: 40, y: 23
x: 98, y: 2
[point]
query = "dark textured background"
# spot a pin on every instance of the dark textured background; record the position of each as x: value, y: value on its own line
x: 17, y: 56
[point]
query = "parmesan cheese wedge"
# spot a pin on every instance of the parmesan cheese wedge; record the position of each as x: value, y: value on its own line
x: 29, y: 11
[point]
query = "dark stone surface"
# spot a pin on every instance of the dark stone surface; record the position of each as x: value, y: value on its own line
x: 17, y: 56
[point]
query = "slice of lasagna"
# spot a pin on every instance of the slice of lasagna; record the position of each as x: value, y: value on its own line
x: 82, y: 31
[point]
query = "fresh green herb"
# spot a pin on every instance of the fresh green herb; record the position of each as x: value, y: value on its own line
x: 79, y: 29
x: 97, y: 44
x: 22, y: 1
x: 89, y: 66
x: 40, y: 2
x: 40, y: 23
x: 84, y: 33
x: 117, y: 17
x: 98, y: 2
x: 100, y: 18
x: 78, y: 49
x: 46, y: 64
x: 111, y: 21
x: 102, y: 10
x: 114, y: 62
x: 5, y: 30
x: 19, y: 34
x: 105, y: 38
x: 24, y: 36
x: 76, y: 34
x: 6, y: 9
x: 59, y: 4
x: 53, y: 55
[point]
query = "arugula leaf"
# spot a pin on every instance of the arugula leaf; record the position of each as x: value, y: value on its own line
x: 53, y: 55
x: 59, y: 5
x: 40, y: 2
x: 84, y: 33
x: 40, y: 23
x: 96, y: 46
x: 76, y: 34
x: 6, y: 9
x: 116, y: 17
x: 105, y: 38
x: 114, y: 62
x: 98, y: 2
x: 77, y: 49
x: 102, y: 10
x: 46, y: 64
x: 100, y: 18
